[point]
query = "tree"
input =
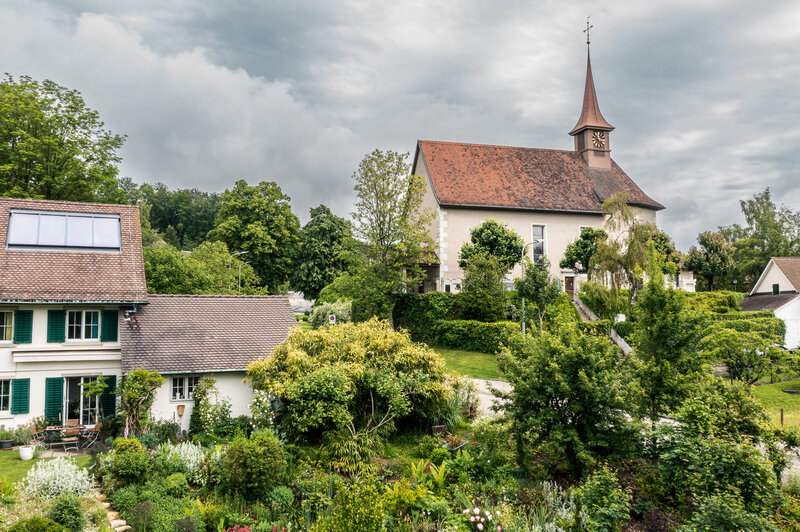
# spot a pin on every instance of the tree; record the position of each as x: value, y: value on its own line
x: 169, y: 271
x: 747, y: 355
x: 770, y: 231
x: 495, y: 238
x: 52, y: 146
x: 578, y: 254
x: 187, y: 215
x: 229, y: 274
x: 322, y: 256
x: 570, y: 393
x: 713, y: 259
x: 662, y: 338
x: 356, y: 379
x: 482, y: 295
x: 259, y: 220
x: 538, y: 289
x: 622, y: 257
x: 137, y: 391
x: 395, y: 229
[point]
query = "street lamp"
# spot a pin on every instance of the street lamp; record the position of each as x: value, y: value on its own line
x: 230, y: 261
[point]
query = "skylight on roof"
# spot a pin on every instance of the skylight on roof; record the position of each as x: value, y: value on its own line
x: 64, y: 231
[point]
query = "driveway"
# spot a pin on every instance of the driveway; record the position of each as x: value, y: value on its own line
x: 485, y: 397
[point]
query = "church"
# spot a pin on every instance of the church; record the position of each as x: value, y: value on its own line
x: 545, y: 195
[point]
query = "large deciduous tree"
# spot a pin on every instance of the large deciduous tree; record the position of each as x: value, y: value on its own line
x: 482, y: 295
x: 259, y: 220
x: 183, y: 217
x: 579, y: 253
x: 714, y: 258
x: 52, y: 146
x: 495, y: 238
x: 390, y: 220
x: 324, y: 243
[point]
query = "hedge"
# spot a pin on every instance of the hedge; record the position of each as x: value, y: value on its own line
x: 771, y: 328
x: 418, y: 313
x: 471, y: 335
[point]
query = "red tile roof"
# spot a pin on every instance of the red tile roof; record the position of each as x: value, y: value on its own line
x: 480, y: 175
x: 790, y: 266
x: 51, y: 275
x: 195, y: 333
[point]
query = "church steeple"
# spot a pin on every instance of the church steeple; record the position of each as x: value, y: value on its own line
x: 592, y: 131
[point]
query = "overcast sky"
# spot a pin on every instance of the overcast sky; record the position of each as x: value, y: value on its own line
x: 705, y: 95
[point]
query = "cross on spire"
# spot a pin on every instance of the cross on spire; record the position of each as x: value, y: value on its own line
x: 588, y: 27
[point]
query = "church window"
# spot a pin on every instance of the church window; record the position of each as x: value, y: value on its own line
x: 538, y: 240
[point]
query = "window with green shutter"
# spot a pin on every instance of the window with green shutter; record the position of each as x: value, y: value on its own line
x: 20, y: 396
x: 23, y: 326
x: 108, y: 399
x: 56, y: 325
x: 53, y: 399
x: 108, y: 326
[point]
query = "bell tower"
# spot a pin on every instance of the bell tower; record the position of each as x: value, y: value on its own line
x: 592, y: 132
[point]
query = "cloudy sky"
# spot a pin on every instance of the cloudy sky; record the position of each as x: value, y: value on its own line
x: 705, y: 95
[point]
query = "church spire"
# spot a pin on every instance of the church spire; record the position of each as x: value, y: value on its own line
x: 591, y: 118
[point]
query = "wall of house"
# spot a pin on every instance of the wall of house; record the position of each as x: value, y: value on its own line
x: 229, y: 384
x: 790, y: 314
x: 772, y: 275
x: 39, y: 360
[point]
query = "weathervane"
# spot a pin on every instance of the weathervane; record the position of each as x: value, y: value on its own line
x: 588, y: 27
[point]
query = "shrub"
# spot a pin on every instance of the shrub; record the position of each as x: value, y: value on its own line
x: 472, y: 335
x: 23, y: 435
x: 601, y: 300
x: 358, y: 508
x: 604, y: 503
x: 184, y: 457
x: 427, y: 445
x: 36, y: 524
x: 341, y: 308
x: 483, y: 296
x: 209, y: 412
x: 161, y: 431
x: 149, y: 506
x: 417, y: 313
x: 401, y: 497
x: 724, y: 512
x: 279, y: 500
x: 439, y: 455
x: 252, y: 467
x: 128, y: 458
x: 51, y: 478
x: 176, y: 485
x: 67, y: 511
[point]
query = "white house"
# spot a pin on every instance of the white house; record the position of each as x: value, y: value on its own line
x: 74, y: 306
x: 186, y: 337
x: 778, y: 290
x: 545, y: 195
x: 66, y: 269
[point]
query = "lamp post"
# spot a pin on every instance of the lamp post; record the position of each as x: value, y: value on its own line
x: 230, y: 261
x: 522, y: 262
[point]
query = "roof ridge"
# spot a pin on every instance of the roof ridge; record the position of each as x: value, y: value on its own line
x: 61, y: 202
x: 497, y: 146
x: 220, y: 296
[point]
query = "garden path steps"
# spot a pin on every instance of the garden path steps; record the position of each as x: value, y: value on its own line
x: 587, y: 315
x: 117, y: 524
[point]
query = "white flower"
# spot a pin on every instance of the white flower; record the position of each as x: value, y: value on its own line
x: 51, y: 478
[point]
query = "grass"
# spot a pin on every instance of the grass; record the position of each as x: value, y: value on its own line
x: 304, y: 325
x: 13, y: 469
x: 470, y: 363
x: 774, y: 399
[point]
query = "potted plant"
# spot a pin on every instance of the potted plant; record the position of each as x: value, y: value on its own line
x: 454, y: 442
x: 25, y: 438
x: 6, y: 439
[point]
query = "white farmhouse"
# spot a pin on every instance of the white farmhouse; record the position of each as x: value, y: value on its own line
x: 778, y: 290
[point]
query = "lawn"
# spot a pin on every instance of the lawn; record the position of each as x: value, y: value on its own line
x: 470, y: 363
x: 13, y: 469
x: 774, y: 399
x: 304, y: 325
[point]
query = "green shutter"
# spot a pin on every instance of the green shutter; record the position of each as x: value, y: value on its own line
x: 20, y: 396
x: 108, y: 399
x: 56, y: 325
x: 53, y: 399
x: 23, y: 326
x: 108, y: 332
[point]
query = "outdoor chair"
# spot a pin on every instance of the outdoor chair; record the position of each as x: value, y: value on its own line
x: 72, y: 423
x: 91, y: 435
x: 69, y: 440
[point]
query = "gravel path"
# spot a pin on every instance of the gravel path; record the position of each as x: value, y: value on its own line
x: 485, y: 397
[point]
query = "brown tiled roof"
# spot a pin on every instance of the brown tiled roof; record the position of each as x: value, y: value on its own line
x: 767, y: 301
x: 480, y: 175
x: 49, y: 275
x: 189, y: 333
x: 591, y: 117
x: 790, y: 266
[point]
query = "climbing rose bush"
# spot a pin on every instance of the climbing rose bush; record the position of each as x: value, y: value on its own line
x: 50, y: 478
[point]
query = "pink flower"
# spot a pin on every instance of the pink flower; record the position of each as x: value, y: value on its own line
x: 480, y: 526
x: 472, y: 519
x: 476, y: 511
x: 466, y: 511
x: 498, y: 528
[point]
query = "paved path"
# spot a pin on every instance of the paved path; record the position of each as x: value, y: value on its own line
x: 485, y: 397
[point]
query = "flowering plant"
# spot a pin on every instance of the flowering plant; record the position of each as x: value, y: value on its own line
x: 481, y: 520
x: 50, y: 478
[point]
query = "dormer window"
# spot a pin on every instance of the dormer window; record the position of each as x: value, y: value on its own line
x: 65, y: 231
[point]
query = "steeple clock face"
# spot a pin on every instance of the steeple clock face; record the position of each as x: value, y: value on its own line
x: 598, y: 139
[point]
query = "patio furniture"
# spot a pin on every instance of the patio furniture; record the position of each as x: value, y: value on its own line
x: 69, y: 439
x: 91, y: 434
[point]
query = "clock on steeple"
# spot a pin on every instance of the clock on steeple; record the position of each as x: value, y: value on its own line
x: 592, y: 131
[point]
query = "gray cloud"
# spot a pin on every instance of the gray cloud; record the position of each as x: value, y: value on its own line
x: 703, y: 96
